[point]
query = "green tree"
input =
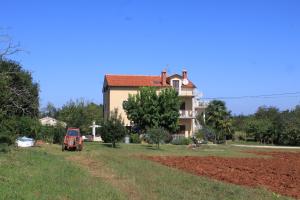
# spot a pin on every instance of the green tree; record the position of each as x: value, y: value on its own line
x: 81, y: 114
x: 19, y: 93
x: 147, y: 109
x: 156, y: 135
x: 49, y: 111
x: 19, y: 102
x: 218, y: 118
x: 113, y: 129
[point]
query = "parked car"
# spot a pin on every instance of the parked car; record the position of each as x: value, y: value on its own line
x: 72, y: 140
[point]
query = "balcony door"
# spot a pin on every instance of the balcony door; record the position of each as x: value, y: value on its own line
x: 175, y: 84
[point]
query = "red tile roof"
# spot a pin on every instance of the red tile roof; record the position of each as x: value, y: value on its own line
x: 136, y: 81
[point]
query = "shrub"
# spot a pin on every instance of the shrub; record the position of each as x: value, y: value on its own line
x: 240, y: 135
x: 168, y: 139
x: 200, y: 134
x: 156, y: 135
x: 181, y: 141
x: 113, y: 129
x: 135, y: 138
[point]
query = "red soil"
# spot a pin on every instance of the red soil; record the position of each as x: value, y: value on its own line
x: 279, y: 173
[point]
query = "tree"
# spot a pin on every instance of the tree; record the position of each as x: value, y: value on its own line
x: 49, y: 111
x: 218, y: 119
x: 81, y: 114
x: 113, y: 129
x: 156, y: 135
x: 7, y: 46
x: 147, y: 109
x: 19, y: 102
x: 19, y: 94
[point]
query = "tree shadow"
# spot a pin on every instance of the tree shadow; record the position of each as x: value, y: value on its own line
x: 109, y: 145
x: 153, y: 148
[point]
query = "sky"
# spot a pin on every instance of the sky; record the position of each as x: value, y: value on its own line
x: 230, y: 48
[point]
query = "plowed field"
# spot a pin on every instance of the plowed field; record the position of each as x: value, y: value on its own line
x: 279, y: 173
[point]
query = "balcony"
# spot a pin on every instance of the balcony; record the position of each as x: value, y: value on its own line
x: 186, y: 92
x: 201, y: 104
x: 187, y: 114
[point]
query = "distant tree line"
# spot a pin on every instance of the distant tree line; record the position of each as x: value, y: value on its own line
x: 269, y: 125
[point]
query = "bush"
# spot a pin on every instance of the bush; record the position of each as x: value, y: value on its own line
x: 113, y: 129
x: 135, y: 138
x: 4, y: 148
x: 156, y: 135
x: 240, y: 135
x: 181, y: 141
x: 168, y: 139
x: 200, y: 135
x: 11, y: 128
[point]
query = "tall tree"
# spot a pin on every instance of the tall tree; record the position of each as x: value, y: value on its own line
x: 19, y: 93
x: 147, y: 109
x: 218, y: 119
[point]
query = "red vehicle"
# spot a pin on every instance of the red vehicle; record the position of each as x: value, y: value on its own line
x: 72, y: 140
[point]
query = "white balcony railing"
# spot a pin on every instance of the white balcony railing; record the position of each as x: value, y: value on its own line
x: 185, y: 114
x: 201, y: 104
x: 186, y: 92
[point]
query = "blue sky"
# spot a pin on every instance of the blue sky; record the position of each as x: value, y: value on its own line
x: 230, y: 48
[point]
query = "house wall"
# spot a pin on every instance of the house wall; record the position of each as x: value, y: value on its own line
x: 116, y: 98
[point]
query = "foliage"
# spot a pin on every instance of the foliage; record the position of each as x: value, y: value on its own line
x: 19, y: 102
x: 269, y: 125
x: 147, y: 109
x: 18, y: 126
x: 218, y: 118
x: 168, y: 138
x: 240, y: 135
x: 19, y: 94
x: 81, y: 114
x: 181, y: 141
x: 156, y: 135
x: 113, y: 130
x: 135, y: 138
x: 200, y: 134
x: 49, y: 111
x: 51, y: 134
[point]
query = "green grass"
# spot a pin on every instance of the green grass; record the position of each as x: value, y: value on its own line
x: 100, y: 172
x: 37, y: 174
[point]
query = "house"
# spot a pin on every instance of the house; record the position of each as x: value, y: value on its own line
x: 116, y: 89
x: 49, y: 121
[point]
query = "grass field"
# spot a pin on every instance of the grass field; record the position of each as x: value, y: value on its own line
x: 100, y: 172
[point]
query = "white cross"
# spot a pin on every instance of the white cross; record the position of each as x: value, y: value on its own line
x: 94, y: 126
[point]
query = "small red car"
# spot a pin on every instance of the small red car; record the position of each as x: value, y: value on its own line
x: 72, y: 140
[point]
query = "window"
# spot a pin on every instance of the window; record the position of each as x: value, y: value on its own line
x: 175, y: 84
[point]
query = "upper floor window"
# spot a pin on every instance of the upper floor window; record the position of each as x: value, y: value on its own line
x: 175, y: 84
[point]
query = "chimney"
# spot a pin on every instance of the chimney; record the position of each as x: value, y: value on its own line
x: 184, y: 74
x: 164, y: 78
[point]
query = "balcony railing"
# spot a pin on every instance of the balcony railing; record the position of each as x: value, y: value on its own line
x: 186, y: 92
x: 186, y: 114
x: 201, y: 104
